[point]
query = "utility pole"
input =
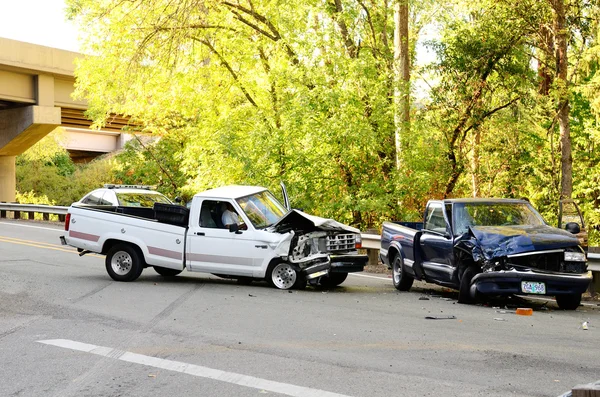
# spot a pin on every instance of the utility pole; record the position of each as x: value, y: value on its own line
x: 402, y: 76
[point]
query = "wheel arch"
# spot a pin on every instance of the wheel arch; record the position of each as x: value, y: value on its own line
x: 111, y: 242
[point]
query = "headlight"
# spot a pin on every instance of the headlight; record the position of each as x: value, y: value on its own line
x: 574, y: 257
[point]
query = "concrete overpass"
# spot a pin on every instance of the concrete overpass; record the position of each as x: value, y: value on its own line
x: 36, y: 83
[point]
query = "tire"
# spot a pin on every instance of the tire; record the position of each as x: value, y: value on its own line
x: 124, y: 262
x: 282, y: 275
x: 568, y: 302
x: 166, y: 272
x: 464, y: 291
x: 301, y: 282
x: 402, y: 281
x: 333, y: 280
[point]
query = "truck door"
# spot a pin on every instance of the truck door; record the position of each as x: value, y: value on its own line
x: 211, y: 248
x: 436, y: 245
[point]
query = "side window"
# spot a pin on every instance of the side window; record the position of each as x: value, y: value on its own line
x: 435, y: 219
x: 94, y: 198
x: 209, y: 214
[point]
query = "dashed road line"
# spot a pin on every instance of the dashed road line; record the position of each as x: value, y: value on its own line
x: 192, y: 369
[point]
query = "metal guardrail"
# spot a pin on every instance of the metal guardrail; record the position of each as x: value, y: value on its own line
x: 32, y: 209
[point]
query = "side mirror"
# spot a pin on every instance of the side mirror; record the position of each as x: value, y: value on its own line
x: 234, y: 228
x: 573, y: 227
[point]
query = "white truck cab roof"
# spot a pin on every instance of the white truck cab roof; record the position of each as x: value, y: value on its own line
x: 231, y: 191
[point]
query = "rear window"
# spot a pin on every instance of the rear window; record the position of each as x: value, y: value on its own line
x: 145, y: 199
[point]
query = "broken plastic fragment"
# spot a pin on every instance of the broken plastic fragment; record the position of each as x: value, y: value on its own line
x: 440, y: 317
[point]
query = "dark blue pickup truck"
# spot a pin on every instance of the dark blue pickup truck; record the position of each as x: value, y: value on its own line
x: 487, y: 246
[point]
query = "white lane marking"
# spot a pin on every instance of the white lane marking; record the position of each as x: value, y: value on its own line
x: 32, y: 227
x: 364, y: 275
x: 191, y: 369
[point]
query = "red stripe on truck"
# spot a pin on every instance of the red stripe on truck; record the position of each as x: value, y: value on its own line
x: 83, y: 236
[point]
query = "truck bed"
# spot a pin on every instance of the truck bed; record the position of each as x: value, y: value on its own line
x: 95, y: 230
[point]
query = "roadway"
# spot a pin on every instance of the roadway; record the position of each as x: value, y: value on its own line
x: 67, y: 329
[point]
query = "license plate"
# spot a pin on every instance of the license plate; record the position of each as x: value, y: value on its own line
x: 530, y: 287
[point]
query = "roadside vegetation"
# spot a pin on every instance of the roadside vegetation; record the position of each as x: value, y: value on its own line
x: 257, y: 92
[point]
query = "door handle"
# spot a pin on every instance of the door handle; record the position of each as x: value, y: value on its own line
x: 200, y: 234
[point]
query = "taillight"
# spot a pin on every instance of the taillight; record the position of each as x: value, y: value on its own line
x: 67, y: 222
x: 358, y: 242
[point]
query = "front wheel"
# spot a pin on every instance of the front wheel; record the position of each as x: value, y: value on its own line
x: 464, y: 291
x: 124, y: 263
x: 333, y: 279
x: 282, y: 276
x: 402, y: 281
x: 166, y: 272
x: 568, y: 302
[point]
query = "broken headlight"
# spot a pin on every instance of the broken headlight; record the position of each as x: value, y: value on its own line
x: 574, y: 257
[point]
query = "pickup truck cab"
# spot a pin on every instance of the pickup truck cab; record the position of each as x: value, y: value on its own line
x: 287, y: 247
x: 486, y: 246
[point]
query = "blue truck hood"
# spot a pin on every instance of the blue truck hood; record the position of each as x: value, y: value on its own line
x: 500, y: 241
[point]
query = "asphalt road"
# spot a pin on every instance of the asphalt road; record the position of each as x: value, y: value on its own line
x: 67, y: 329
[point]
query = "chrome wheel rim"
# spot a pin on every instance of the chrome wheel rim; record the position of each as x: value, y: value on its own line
x: 283, y: 276
x: 396, y: 271
x: 121, y: 263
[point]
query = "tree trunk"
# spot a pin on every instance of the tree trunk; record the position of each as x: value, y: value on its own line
x: 566, y: 160
x: 402, y: 72
x: 475, y: 163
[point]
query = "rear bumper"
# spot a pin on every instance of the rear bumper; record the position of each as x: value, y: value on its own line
x: 508, y: 282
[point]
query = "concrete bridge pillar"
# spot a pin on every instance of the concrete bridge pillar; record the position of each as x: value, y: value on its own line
x: 7, y: 178
x: 21, y: 128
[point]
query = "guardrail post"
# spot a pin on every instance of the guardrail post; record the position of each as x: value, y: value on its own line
x: 46, y: 216
x: 17, y: 215
x: 31, y: 216
x: 61, y: 218
x: 2, y: 214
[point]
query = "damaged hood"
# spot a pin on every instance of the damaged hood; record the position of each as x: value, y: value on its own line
x: 298, y: 220
x: 488, y: 242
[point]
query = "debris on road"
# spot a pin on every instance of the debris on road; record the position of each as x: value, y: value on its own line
x: 584, y: 326
x: 524, y: 311
x: 440, y: 317
x: 499, y: 319
x: 423, y: 298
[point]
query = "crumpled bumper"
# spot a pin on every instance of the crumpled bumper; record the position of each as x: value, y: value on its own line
x: 335, y: 264
x: 507, y: 282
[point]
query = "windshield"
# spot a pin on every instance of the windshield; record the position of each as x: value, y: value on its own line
x: 146, y: 199
x: 493, y: 214
x: 262, y: 209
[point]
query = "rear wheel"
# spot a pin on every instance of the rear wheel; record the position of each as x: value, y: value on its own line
x: 166, y: 272
x: 282, y: 275
x: 568, y: 302
x: 464, y: 292
x: 124, y: 263
x: 333, y: 279
x: 402, y: 281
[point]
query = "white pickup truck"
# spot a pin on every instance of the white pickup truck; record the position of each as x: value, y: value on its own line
x: 286, y: 247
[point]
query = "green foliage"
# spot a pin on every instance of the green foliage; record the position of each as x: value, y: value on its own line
x: 262, y: 91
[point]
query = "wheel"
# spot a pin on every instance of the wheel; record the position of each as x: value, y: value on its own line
x: 333, y: 280
x: 464, y: 291
x: 282, y: 276
x: 568, y: 302
x: 124, y: 262
x: 401, y: 280
x: 166, y: 272
x: 301, y: 282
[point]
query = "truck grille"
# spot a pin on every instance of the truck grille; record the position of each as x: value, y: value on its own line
x: 341, y: 242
